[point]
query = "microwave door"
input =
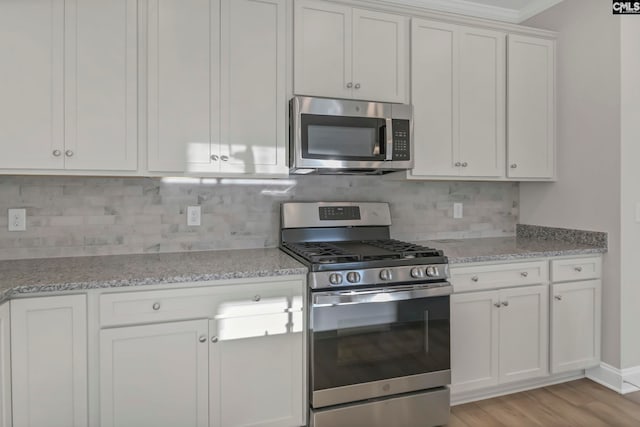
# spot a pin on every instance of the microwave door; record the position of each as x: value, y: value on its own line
x: 344, y: 138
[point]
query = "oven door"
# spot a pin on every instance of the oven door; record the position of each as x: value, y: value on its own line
x: 377, y: 342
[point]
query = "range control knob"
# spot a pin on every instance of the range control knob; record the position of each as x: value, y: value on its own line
x: 386, y: 274
x: 417, y: 273
x: 432, y: 271
x: 353, y: 277
x: 335, y: 279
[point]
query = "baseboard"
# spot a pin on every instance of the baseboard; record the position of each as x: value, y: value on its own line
x: 504, y: 389
x: 622, y: 381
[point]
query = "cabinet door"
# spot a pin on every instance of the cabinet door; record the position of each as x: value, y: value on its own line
x: 524, y: 333
x: 5, y: 366
x: 155, y: 375
x: 575, y: 325
x: 101, y: 89
x: 434, y: 94
x: 31, y: 84
x: 531, y: 107
x: 253, y: 98
x: 474, y: 340
x: 380, y: 56
x: 482, y: 102
x: 183, y: 84
x: 257, y: 363
x: 322, y: 49
x: 49, y: 361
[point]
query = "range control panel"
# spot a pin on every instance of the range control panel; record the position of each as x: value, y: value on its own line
x: 339, y: 213
x: 401, y: 143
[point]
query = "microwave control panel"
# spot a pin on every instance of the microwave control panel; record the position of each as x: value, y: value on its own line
x: 401, y: 143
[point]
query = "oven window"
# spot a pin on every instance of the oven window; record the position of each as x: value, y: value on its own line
x: 359, y: 343
x: 348, y: 138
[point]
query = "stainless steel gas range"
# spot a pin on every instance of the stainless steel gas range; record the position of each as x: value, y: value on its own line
x: 378, y: 319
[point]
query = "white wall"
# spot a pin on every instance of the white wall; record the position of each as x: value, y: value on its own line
x: 630, y: 142
x: 588, y: 192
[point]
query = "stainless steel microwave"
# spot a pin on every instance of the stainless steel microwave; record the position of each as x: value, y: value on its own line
x: 338, y: 136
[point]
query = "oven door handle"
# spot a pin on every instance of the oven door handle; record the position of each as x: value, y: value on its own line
x: 330, y: 299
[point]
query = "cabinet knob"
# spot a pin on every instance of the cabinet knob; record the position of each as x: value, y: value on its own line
x: 578, y: 269
x: 505, y: 303
x: 558, y: 297
x: 69, y: 153
x: 349, y: 85
x: 202, y: 338
x: 513, y: 166
x: 256, y: 298
x: 465, y: 164
x: 524, y: 274
x: 496, y: 304
x: 357, y: 86
x: 224, y: 158
x: 57, y: 153
x: 214, y: 339
x: 156, y: 306
x: 458, y: 164
x: 214, y: 158
x: 474, y: 279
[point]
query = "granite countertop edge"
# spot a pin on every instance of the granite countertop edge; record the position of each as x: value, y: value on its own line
x: 525, y: 255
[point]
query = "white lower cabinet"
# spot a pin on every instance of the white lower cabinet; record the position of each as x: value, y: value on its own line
x: 155, y: 375
x: 575, y: 325
x: 49, y: 361
x: 5, y: 365
x: 241, y: 364
x: 498, y: 336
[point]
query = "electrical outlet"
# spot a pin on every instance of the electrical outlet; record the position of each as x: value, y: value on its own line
x: 17, y: 219
x: 193, y: 216
x: 457, y: 210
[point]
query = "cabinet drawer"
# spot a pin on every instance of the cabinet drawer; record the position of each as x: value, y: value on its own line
x: 493, y: 276
x: 211, y: 302
x: 563, y: 270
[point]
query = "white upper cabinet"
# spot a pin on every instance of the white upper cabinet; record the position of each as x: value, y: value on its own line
x: 254, y: 107
x: 217, y: 86
x: 531, y: 108
x: 183, y: 83
x: 344, y: 52
x: 101, y: 91
x: 458, y: 94
x: 32, y: 84
x: 68, y: 97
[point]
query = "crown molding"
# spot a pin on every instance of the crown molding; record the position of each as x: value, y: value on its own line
x: 535, y: 8
x: 478, y: 10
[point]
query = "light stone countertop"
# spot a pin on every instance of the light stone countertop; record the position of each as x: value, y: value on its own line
x: 21, y: 277
x: 508, y: 248
x: 95, y: 272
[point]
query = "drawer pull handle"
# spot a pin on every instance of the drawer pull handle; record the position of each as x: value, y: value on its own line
x: 214, y: 339
x: 256, y: 298
x: 156, y: 306
x: 578, y: 269
x: 505, y: 303
x: 202, y: 338
x: 558, y: 297
x: 474, y: 279
x: 524, y: 274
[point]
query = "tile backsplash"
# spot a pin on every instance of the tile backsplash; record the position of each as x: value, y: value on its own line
x: 75, y: 216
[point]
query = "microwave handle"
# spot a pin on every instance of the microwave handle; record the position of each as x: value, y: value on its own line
x: 389, y: 136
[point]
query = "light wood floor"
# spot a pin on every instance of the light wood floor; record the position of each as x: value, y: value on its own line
x: 580, y: 403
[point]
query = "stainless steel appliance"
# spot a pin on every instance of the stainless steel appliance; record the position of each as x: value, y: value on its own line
x: 338, y: 136
x: 378, y: 318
